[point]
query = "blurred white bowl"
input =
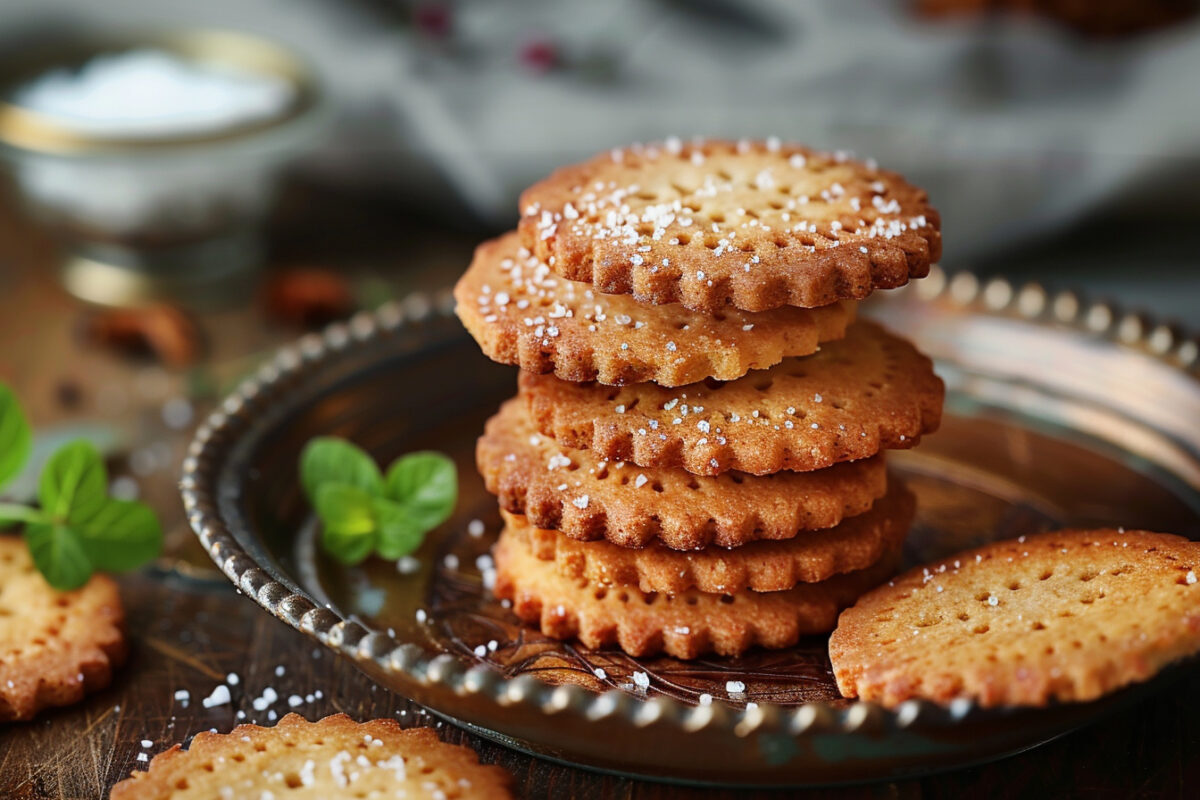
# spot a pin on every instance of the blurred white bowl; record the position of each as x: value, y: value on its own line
x: 160, y: 210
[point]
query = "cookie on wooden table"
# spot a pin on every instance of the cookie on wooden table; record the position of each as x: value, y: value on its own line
x: 1064, y: 616
x: 588, y: 498
x: 709, y: 224
x: 859, y: 395
x: 55, y: 647
x: 523, y: 314
x: 333, y: 758
x: 685, y: 625
x: 811, y: 557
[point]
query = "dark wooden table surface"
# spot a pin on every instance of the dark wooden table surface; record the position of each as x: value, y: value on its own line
x: 190, y: 629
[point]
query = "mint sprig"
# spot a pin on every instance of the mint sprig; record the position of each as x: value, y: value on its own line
x: 77, y: 528
x: 364, y: 511
x: 16, y: 437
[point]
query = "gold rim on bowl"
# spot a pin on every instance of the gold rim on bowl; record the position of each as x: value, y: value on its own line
x: 24, y: 129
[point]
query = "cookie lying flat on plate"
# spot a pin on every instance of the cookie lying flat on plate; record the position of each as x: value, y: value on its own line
x: 760, y: 566
x: 572, y: 491
x: 1064, y: 616
x: 685, y: 625
x: 755, y: 225
x: 333, y: 758
x: 523, y: 314
x: 868, y: 392
x: 54, y: 646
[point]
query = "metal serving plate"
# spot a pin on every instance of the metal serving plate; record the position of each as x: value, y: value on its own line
x: 1058, y: 413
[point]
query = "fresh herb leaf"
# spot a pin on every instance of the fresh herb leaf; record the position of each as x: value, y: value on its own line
x: 363, y: 512
x: 74, y: 484
x: 400, y: 531
x: 58, y: 555
x: 327, y: 460
x: 78, y: 528
x: 349, y: 531
x: 16, y: 437
x: 426, y: 483
x: 121, y: 535
x: 15, y: 512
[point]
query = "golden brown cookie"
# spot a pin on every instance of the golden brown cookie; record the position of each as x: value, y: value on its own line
x: 1064, y: 616
x: 54, y: 646
x: 523, y: 314
x: 760, y: 566
x: 685, y: 625
x: 301, y: 760
x: 868, y: 392
x: 570, y: 490
x: 707, y: 224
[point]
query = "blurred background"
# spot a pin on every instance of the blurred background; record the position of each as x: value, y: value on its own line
x: 188, y: 185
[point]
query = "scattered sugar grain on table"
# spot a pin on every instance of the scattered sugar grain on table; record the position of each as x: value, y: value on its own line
x: 219, y: 697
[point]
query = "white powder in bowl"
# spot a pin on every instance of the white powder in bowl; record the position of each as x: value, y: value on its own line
x: 149, y: 92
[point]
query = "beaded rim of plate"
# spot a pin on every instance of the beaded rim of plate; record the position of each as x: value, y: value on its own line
x: 362, y: 644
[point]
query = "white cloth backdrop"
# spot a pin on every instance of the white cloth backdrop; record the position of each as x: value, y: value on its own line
x: 1013, y: 128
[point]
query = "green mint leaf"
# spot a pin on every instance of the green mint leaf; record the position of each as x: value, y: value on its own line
x: 13, y: 512
x: 362, y: 512
x: 121, y: 535
x: 427, y: 484
x: 327, y: 459
x: 74, y: 483
x: 58, y: 555
x: 349, y: 532
x: 400, y: 530
x: 16, y: 437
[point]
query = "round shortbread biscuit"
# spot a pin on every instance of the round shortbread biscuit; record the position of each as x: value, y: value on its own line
x: 333, y: 758
x: 759, y: 566
x: 523, y: 314
x: 865, y: 393
x: 685, y: 625
x: 1063, y: 616
x: 708, y: 224
x: 54, y: 646
x: 572, y: 491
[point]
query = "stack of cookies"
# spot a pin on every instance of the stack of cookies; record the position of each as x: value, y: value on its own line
x: 694, y: 460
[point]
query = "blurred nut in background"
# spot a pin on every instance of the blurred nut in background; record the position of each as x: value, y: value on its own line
x: 308, y: 297
x: 160, y: 331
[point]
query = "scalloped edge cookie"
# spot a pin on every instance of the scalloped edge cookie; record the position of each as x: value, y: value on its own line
x: 868, y: 392
x: 1065, y: 616
x: 55, y: 647
x: 570, y: 490
x: 522, y: 314
x: 760, y: 566
x: 335, y: 757
x: 686, y: 625
x: 750, y: 224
